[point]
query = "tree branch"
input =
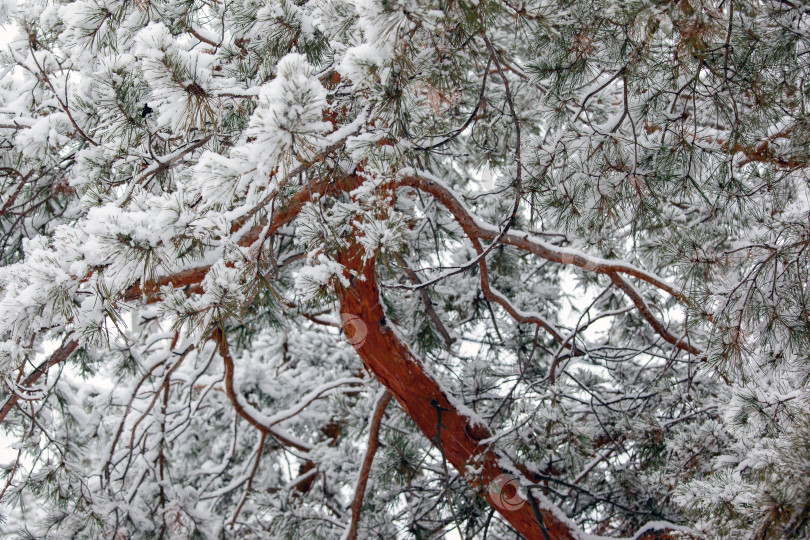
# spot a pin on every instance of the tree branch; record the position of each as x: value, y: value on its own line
x: 192, y: 277
x: 241, y: 410
x: 475, y: 227
x: 365, y: 469
x: 59, y: 355
x: 434, y: 317
x: 420, y: 395
x: 645, y: 311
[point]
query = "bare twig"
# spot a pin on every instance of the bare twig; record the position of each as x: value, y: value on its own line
x: 365, y: 469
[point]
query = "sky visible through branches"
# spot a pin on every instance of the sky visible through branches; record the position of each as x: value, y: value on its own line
x: 351, y: 269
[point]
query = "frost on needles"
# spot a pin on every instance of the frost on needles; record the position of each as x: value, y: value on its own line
x: 351, y: 269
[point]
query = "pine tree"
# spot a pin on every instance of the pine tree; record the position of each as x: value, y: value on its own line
x: 398, y: 269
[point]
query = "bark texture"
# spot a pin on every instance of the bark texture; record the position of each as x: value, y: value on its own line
x: 423, y: 399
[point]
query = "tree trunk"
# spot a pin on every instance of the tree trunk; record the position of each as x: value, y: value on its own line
x: 422, y: 398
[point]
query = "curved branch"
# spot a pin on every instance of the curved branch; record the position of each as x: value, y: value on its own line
x: 61, y: 354
x: 519, y: 315
x: 132, y: 396
x: 238, y: 401
x: 434, y: 317
x: 474, y: 227
x: 192, y: 277
x: 365, y: 469
x: 63, y: 104
x: 645, y: 311
x: 253, y: 472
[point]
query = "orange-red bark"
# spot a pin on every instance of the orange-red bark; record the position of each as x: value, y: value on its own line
x: 391, y: 361
x: 421, y: 396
